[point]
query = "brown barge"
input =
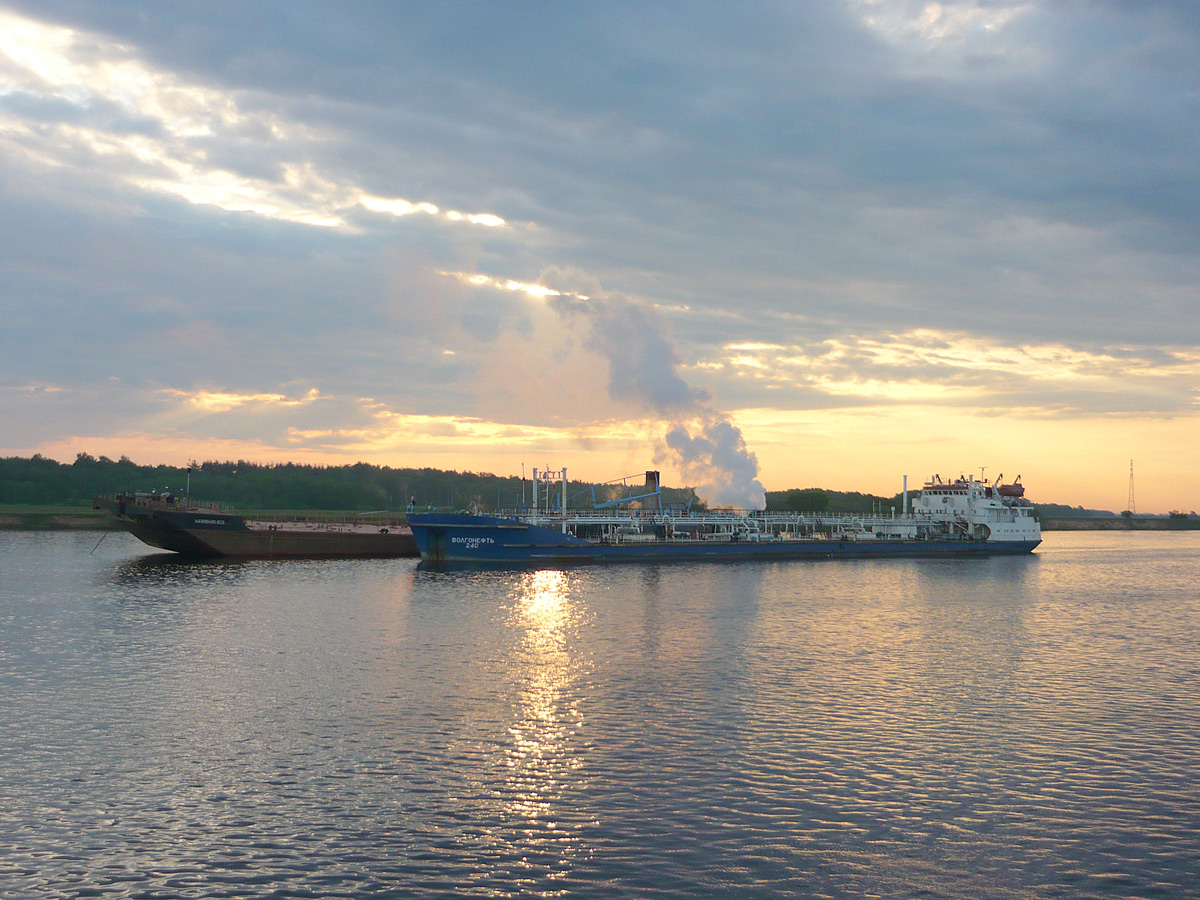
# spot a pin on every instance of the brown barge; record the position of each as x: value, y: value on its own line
x: 162, y: 521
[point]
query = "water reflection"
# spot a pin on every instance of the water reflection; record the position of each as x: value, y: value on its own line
x: 544, y: 757
x: 1017, y: 728
x: 172, y: 570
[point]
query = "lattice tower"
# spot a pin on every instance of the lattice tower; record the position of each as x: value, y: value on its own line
x: 1132, y: 506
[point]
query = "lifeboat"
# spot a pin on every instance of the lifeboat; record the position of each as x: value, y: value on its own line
x: 1016, y: 489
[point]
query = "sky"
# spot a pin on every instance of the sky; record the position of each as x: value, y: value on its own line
x: 757, y: 246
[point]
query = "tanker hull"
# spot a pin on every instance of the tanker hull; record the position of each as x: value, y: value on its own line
x: 449, y: 539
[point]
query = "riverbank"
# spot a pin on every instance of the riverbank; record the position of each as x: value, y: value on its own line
x: 1120, y: 523
x: 82, y: 518
x: 56, y: 518
x: 15, y: 517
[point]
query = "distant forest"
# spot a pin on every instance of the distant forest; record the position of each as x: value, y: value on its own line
x: 38, y: 481
x: 360, y: 487
x: 247, y: 485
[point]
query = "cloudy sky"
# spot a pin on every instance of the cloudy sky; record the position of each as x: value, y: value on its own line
x: 823, y: 243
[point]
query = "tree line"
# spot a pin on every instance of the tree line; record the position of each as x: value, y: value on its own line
x: 274, y: 486
x: 360, y: 487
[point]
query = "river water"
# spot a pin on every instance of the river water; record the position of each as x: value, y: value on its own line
x: 1016, y: 727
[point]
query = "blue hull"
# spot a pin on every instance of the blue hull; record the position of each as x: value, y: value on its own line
x: 455, y: 538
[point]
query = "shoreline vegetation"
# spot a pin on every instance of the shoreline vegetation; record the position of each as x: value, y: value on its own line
x: 1123, y: 523
x: 56, y: 518
x: 75, y: 518
x: 40, y: 494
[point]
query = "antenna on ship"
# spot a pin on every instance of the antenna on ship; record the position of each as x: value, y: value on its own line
x: 187, y: 499
x: 1132, y: 507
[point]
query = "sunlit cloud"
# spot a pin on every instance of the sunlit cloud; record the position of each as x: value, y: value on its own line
x: 31, y: 389
x: 754, y: 347
x: 42, y: 60
x: 218, y: 401
x: 533, y: 289
x: 233, y: 193
x: 928, y: 366
x: 318, y: 426
x: 501, y: 284
x: 391, y: 429
x: 398, y: 207
x: 155, y: 132
x: 486, y: 219
x: 935, y: 22
x: 367, y: 426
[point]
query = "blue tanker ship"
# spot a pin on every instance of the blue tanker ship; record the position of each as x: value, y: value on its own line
x: 963, y: 517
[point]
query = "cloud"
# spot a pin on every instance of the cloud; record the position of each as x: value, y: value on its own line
x: 644, y: 374
x: 937, y: 23
x: 632, y: 336
x: 956, y: 369
x: 98, y: 105
x: 223, y: 401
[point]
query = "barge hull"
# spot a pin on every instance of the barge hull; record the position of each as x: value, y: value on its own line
x: 307, y: 545
x: 200, y: 533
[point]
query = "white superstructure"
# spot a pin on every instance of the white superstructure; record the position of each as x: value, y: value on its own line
x: 991, y: 512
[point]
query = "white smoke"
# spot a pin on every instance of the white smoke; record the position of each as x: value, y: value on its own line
x: 644, y: 371
x: 715, y: 458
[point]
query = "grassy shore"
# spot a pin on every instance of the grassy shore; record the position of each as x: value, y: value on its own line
x: 1120, y: 523
x: 18, y: 517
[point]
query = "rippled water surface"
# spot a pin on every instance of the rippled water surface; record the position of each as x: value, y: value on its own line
x: 1020, y: 727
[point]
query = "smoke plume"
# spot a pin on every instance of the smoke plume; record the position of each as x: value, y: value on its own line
x: 644, y: 372
x: 714, y: 457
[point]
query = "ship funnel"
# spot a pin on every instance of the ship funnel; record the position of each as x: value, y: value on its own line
x: 653, y: 485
